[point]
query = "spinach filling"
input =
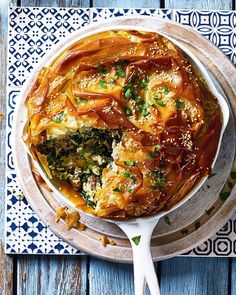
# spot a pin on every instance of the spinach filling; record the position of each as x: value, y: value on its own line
x: 80, y: 157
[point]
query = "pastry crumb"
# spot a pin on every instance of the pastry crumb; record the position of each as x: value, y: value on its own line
x: 105, y: 241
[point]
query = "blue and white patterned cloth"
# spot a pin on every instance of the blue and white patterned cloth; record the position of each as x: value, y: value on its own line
x: 32, y: 32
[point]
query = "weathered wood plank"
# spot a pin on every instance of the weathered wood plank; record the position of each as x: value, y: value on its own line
x: 233, y: 277
x: 185, y: 275
x: 12, y: 2
x: 108, y: 278
x: 56, y: 3
x: 42, y: 3
x: 126, y: 4
x: 112, y: 278
x: 6, y: 262
x: 199, y: 4
x: 52, y: 275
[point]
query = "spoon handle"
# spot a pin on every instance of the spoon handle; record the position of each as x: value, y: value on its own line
x: 140, y: 235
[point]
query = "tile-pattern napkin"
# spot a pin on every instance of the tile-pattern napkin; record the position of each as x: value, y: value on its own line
x: 32, y: 32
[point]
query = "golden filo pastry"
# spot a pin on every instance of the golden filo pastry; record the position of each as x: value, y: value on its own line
x: 123, y: 124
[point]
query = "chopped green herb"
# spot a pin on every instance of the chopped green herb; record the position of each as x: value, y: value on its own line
x: 128, y: 93
x: 136, y: 240
x: 128, y: 111
x: 145, y: 111
x: 130, y: 190
x: 197, y: 225
x: 166, y: 90
x: 179, y: 104
x: 233, y: 174
x: 155, y: 97
x: 127, y: 173
x: 154, y: 153
x: 213, y: 174
x: 129, y: 163
x: 112, y: 80
x: 133, y: 178
x: 140, y: 108
x: 184, y: 231
x: 167, y: 220
x: 118, y: 190
x: 160, y: 179
x: 224, y: 196
x: 143, y: 84
x: 103, y: 84
x: 118, y: 65
x: 51, y: 157
x: 158, y: 187
x: 160, y: 103
x: 121, y: 73
x: 81, y: 99
x: 59, y: 117
x: 139, y: 100
x: 151, y: 155
x: 208, y: 211
x: 90, y: 203
x: 101, y: 69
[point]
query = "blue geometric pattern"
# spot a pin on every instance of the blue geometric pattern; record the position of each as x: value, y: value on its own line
x: 32, y: 32
x: 25, y: 232
x: 99, y: 14
x: 216, y: 26
x: 13, y: 95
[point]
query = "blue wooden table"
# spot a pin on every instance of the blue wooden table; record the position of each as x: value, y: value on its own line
x: 49, y: 275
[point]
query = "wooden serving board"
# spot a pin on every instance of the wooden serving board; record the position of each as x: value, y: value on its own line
x: 168, y: 240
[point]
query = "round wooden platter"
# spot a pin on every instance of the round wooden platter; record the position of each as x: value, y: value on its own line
x: 168, y: 240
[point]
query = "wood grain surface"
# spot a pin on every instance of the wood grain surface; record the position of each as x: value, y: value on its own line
x: 74, y: 275
x: 199, y: 4
x: 51, y: 275
x: 195, y: 276
x: 127, y: 4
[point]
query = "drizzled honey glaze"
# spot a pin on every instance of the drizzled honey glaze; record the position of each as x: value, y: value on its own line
x: 142, y: 84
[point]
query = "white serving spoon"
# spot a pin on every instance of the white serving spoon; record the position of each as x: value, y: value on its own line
x: 144, y: 271
x: 139, y: 232
x: 141, y: 228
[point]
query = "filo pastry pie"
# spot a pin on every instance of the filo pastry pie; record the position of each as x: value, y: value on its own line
x: 122, y: 124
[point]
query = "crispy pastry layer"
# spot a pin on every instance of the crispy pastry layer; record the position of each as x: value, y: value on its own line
x: 137, y: 83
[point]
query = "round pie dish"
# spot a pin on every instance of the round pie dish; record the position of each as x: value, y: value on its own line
x: 197, y: 63
x: 124, y: 123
